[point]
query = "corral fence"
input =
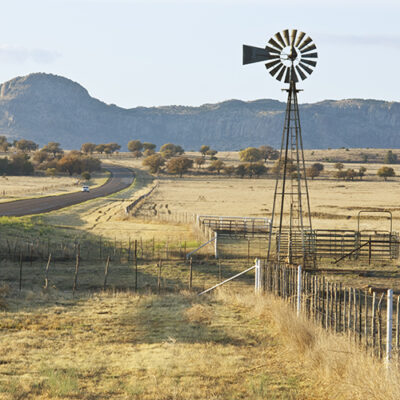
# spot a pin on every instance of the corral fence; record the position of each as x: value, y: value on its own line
x: 370, y: 316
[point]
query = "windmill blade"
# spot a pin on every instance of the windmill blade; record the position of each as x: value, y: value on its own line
x: 279, y: 37
x: 311, y: 55
x: 280, y: 75
x: 305, y: 43
x: 299, y: 39
x: 287, y: 76
x: 275, y: 70
x: 272, y: 50
x: 293, y: 37
x: 301, y: 73
x: 286, y: 36
x: 309, y: 62
x: 309, y: 48
x: 272, y: 63
x: 274, y: 43
x: 309, y: 70
x: 253, y: 54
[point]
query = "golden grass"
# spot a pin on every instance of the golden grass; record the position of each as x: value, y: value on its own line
x: 332, y: 365
x: 230, y: 345
x: 126, y: 346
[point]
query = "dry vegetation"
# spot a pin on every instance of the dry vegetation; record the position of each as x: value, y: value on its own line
x: 20, y: 187
x: 176, y: 345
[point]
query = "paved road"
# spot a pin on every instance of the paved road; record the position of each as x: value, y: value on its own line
x: 120, y: 179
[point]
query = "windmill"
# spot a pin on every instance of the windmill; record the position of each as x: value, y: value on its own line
x: 291, y: 58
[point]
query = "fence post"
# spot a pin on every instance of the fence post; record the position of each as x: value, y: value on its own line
x: 389, y: 325
x: 216, y: 245
x: 298, y: 290
x: 257, y: 282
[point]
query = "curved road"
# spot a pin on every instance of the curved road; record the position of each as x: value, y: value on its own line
x: 120, y: 179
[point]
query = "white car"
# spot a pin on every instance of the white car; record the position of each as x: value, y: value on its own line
x: 85, y: 189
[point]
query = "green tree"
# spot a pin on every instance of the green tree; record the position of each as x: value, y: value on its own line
x: 19, y: 164
x: 88, y: 148
x: 318, y: 166
x: 170, y: 150
x: 212, y: 153
x: 279, y: 167
x: 312, y: 172
x: 148, y: 152
x: 339, y: 166
x: 229, y: 170
x: 241, y: 170
x: 199, y: 162
x: 135, y: 145
x: 53, y: 148
x: 390, y: 158
x: 149, y: 146
x: 26, y: 145
x: 137, y: 154
x: 256, y: 169
x: 100, y: 148
x: 216, y: 165
x: 112, y: 147
x: 204, y: 149
x: 351, y: 174
x: 179, y: 165
x: 4, y: 145
x: 361, y: 172
x: 154, y: 163
x: 386, y: 172
x: 268, y: 153
x: 340, y: 174
x: 251, y: 154
x: 86, y: 175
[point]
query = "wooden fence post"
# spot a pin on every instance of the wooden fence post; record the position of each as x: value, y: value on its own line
x: 46, y: 276
x: 366, y: 319
x: 349, y: 312
x: 359, y: 317
x: 327, y: 317
x: 136, y: 267
x: 380, y: 326
x: 389, y: 325
x: 106, y: 273
x: 373, y: 317
x: 20, y: 271
x: 74, y: 287
x: 190, y: 273
x: 397, y: 325
x: 159, y: 277
x: 298, y: 290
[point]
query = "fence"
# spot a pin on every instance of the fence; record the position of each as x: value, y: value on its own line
x: 355, y: 312
x: 129, y: 208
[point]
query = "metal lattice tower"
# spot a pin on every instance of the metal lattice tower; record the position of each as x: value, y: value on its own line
x: 290, y: 58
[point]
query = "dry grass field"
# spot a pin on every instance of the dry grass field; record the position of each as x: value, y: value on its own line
x: 119, y: 344
x: 176, y: 346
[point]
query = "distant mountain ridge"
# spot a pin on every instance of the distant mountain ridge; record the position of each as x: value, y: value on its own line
x: 44, y: 107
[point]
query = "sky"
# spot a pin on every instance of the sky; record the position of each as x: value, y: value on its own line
x: 186, y: 52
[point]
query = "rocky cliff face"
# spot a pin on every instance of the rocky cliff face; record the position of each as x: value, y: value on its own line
x: 44, y: 107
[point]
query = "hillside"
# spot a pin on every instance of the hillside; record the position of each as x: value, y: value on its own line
x: 45, y: 107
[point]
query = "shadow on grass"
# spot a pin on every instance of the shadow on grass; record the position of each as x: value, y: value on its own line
x: 166, y: 320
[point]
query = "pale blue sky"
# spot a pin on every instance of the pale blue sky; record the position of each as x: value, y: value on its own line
x: 151, y: 53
